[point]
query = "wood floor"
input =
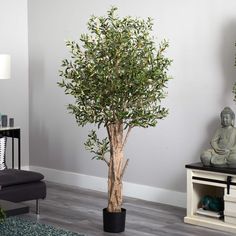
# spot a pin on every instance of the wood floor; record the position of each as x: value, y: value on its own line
x: 80, y: 210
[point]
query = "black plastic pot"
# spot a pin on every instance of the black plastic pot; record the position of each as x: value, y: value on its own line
x: 114, y: 222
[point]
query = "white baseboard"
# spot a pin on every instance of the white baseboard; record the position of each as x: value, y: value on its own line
x: 25, y: 167
x: 139, y: 191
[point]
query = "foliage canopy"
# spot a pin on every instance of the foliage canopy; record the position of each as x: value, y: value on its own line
x: 116, y: 73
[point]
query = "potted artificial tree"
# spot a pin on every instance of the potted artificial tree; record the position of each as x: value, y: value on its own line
x: 117, y: 77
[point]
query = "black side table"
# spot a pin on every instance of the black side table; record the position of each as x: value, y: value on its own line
x: 14, y: 133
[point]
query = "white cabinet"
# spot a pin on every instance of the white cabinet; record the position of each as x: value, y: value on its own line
x: 216, y: 182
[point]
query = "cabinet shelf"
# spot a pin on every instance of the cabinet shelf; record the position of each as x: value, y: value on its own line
x: 208, y: 213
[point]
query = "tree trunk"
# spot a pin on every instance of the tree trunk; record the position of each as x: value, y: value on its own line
x: 115, y: 133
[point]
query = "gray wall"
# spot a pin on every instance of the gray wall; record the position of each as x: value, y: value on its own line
x: 14, y: 93
x: 201, y: 34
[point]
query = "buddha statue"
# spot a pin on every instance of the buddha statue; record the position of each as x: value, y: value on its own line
x: 223, y: 144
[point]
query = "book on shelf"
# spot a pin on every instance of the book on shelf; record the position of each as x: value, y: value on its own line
x: 213, y: 214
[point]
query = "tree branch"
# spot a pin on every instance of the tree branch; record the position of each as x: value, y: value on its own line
x: 108, y: 132
x: 126, y: 136
x: 125, y: 166
x: 107, y: 162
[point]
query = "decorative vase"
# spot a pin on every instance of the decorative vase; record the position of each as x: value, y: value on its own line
x: 3, y: 145
x: 4, y: 120
x: 114, y: 222
x: 11, y: 122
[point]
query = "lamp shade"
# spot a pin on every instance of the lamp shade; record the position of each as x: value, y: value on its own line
x: 5, y: 66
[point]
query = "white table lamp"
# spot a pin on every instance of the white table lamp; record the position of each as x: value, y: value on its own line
x: 5, y: 66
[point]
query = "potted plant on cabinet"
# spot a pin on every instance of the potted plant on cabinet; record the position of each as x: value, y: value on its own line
x: 117, y: 77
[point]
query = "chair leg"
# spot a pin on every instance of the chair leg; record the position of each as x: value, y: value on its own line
x: 37, y: 207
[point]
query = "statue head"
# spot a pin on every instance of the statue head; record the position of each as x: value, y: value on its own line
x: 227, y: 117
